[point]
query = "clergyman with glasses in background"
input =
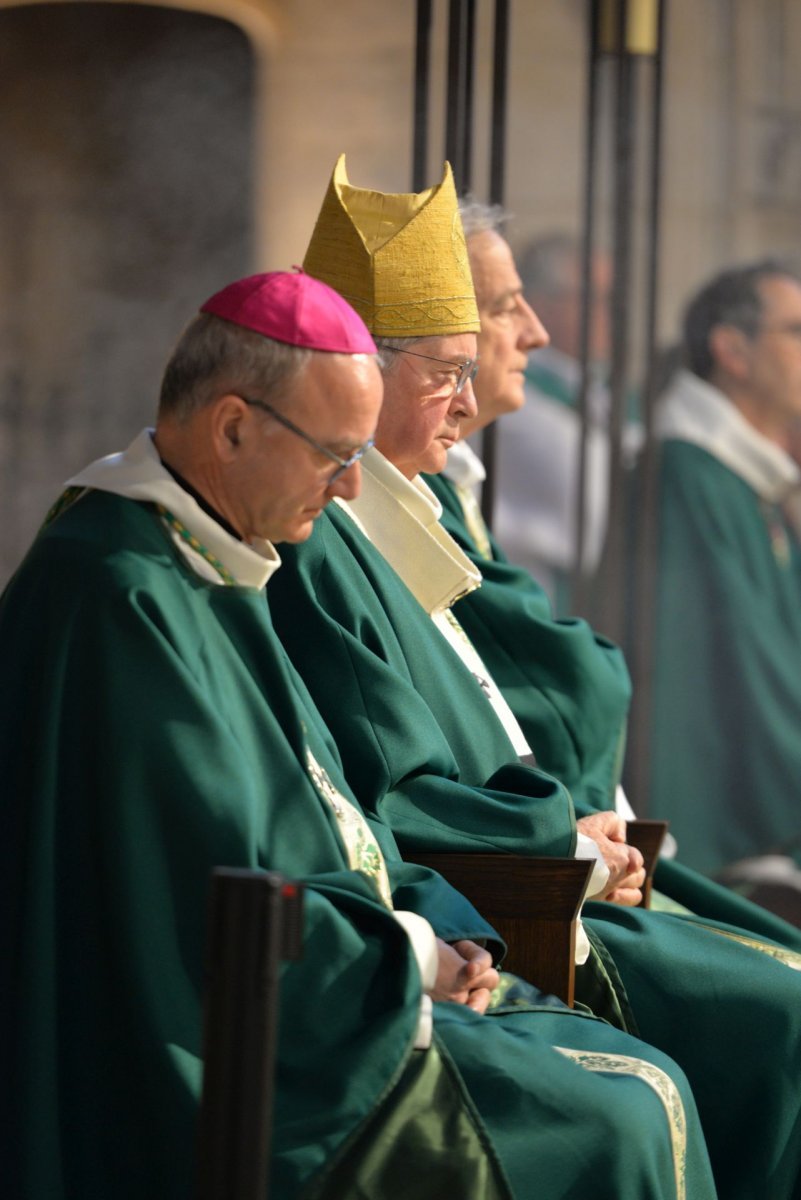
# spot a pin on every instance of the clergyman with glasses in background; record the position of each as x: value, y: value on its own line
x: 726, y: 748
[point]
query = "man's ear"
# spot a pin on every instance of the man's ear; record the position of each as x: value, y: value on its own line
x: 229, y: 417
x: 731, y: 350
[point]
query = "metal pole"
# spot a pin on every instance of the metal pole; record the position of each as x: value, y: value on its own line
x: 580, y: 598
x: 646, y: 541
x: 611, y: 597
x: 455, y: 91
x: 422, y: 73
x: 497, y: 182
x: 500, y: 72
x: 467, y: 106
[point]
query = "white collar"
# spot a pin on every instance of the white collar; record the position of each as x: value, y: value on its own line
x: 137, y: 473
x: 401, y: 518
x: 694, y: 411
x: 464, y: 467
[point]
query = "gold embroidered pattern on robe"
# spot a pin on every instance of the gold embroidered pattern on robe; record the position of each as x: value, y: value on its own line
x: 662, y: 1084
x: 364, y: 853
x: 474, y: 520
x: 790, y: 958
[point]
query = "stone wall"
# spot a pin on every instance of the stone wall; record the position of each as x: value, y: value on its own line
x: 126, y: 152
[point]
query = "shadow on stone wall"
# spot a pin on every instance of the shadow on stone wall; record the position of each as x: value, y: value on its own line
x: 125, y: 200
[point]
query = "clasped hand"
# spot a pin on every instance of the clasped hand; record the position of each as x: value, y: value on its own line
x: 465, y: 975
x: 625, y: 863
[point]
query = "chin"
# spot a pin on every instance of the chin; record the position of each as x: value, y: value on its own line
x: 434, y: 462
x: 300, y: 531
x: 512, y: 401
x: 303, y: 533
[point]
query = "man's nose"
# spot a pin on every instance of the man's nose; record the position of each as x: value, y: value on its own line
x: 464, y: 403
x: 533, y: 334
x: 348, y: 485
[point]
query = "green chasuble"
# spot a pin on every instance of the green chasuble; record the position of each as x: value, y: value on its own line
x: 569, y: 689
x: 421, y: 748
x: 726, y: 731
x: 376, y: 666
x: 151, y: 729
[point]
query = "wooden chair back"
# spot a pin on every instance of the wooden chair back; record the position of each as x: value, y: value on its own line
x: 532, y: 902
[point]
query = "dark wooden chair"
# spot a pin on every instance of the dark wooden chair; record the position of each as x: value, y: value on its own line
x: 532, y: 902
x: 647, y: 836
x: 255, y: 919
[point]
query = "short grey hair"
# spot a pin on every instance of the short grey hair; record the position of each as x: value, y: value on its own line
x: 214, y: 356
x: 730, y: 298
x: 478, y: 217
x: 388, y: 361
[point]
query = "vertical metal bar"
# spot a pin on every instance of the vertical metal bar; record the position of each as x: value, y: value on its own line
x: 646, y: 541
x: 500, y: 73
x: 497, y: 188
x: 453, y: 93
x: 459, y: 93
x: 422, y: 74
x: 489, y: 456
x: 468, y: 74
x: 580, y: 598
x: 612, y: 592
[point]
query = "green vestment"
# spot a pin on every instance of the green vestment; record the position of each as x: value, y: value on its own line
x: 569, y: 689
x: 376, y: 666
x: 726, y: 730
x: 151, y: 729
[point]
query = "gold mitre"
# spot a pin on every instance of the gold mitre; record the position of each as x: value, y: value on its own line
x: 399, y: 259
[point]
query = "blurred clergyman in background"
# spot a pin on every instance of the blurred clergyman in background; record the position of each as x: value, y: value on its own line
x: 727, y: 711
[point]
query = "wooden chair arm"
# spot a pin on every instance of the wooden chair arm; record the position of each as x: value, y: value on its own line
x: 532, y: 902
x: 647, y: 836
x: 255, y: 919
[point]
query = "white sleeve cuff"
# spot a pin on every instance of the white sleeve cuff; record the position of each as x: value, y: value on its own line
x: 587, y: 848
x: 582, y: 952
x: 424, y: 945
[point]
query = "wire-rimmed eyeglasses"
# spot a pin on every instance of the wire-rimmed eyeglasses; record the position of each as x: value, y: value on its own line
x: 343, y: 464
x: 468, y: 369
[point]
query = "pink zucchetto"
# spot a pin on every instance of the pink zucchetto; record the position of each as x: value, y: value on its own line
x: 292, y: 307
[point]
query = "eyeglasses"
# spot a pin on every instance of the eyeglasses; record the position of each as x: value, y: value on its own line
x: 467, y: 369
x: 343, y: 464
